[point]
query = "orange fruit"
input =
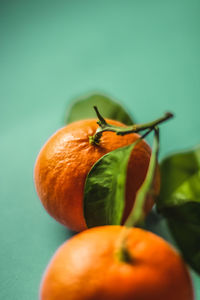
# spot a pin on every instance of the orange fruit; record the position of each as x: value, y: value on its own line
x: 67, y: 157
x: 89, y: 267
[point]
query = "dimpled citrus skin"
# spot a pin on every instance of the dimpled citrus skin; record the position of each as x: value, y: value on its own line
x: 87, y: 267
x: 67, y: 157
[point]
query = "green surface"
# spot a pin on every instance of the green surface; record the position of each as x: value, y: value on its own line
x: 145, y: 53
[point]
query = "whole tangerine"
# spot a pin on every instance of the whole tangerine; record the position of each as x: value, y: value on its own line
x: 90, y: 266
x: 65, y: 160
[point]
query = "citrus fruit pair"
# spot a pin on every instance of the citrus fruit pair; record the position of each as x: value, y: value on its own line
x: 93, y: 265
x: 65, y: 161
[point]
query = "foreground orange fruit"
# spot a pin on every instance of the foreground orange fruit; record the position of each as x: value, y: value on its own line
x: 91, y: 266
x: 65, y: 160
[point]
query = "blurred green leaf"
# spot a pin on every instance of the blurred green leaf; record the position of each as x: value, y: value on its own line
x: 179, y: 202
x: 83, y: 109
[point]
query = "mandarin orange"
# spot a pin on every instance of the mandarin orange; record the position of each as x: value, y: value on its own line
x: 92, y: 266
x: 65, y: 160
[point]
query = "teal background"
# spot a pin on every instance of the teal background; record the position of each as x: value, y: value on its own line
x: 143, y: 53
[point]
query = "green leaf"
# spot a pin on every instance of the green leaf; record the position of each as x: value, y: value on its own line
x: 83, y: 109
x: 146, y: 190
x: 184, y: 223
x: 104, y: 191
x: 179, y: 202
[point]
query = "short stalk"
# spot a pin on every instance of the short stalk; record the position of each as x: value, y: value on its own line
x: 104, y: 126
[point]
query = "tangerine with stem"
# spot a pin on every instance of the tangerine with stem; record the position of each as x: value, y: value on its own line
x: 65, y: 160
x: 94, y: 266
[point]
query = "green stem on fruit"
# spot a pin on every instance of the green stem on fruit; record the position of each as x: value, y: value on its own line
x: 104, y: 126
x: 124, y: 255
